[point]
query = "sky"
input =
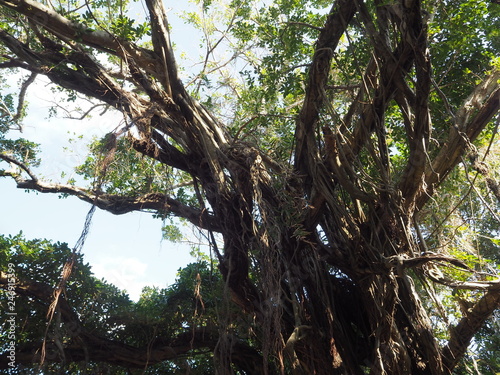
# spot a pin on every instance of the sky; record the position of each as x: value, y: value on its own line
x: 126, y: 250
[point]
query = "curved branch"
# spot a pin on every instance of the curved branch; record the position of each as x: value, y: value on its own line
x: 22, y: 95
x: 341, y: 14
x: 119, y: 205
x: 12, y: 174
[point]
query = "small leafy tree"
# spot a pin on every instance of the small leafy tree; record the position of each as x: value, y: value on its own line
x: 340, y: 163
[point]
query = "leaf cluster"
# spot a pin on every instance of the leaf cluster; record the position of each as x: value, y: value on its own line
x: 126, y: 172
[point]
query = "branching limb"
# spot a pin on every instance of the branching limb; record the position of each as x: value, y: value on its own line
x: 115, y: 204
x: 90, y: 78
x: 474, y: 114
x: 211, y: 47
x: 65, y: 29
x: 13, y: 173
x: 80, y: 114
x: 463, y: 332
x: 204, y: 137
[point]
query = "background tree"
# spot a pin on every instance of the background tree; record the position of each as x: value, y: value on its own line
x: 345, y: 173
x: 96, y: 328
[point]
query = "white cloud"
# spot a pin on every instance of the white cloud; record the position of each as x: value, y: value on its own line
x: 125, y: 273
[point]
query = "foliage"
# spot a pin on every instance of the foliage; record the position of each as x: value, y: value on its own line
x: 103, y: 310
x: 20, y: 148
x: 41, y: 261
x: 125, y: 169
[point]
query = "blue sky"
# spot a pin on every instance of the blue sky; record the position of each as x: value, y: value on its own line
x: 126, y: 250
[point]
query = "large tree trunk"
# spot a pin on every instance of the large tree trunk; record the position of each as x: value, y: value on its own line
x: 333, y: 256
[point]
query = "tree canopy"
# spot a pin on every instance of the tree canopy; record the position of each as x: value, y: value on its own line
x: 340, y: 158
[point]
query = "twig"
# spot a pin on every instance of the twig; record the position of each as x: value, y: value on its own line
x: 22, y: 95
x: 19, y: 164
x: 304, y: 24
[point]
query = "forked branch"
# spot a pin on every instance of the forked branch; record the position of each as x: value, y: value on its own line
x: 115, y: 204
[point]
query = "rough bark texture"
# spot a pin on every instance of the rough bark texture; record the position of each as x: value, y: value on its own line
x: 339, y: 300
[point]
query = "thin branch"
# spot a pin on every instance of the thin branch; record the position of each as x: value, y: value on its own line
x: 84, y: 114
x: 304, y: 24
x: 22, y: 95
x: 445, y: 100
x: 484, y: 171
x: 355, y: 86
x: 21, y: 165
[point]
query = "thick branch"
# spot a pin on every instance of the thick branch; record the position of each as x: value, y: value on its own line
x: 462, y: 334
x: 163, y: 48
x: 164, y: 152
x: 200, y: 131
x: 89, y: 77
x: 66, y: 29
x: 415, y: 34
x: 341, y: 14
x: 376, y: 91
